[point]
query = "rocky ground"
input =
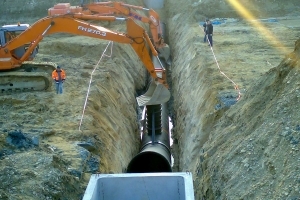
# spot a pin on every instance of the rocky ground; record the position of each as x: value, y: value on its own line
x: 234, y: 108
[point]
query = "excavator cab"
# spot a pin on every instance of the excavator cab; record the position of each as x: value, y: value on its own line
x: 9, y: 32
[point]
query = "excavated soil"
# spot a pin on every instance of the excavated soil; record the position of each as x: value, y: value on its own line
x: 234, y: 107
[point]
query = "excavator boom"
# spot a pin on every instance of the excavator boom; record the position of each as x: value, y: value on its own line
x: 119, y: 8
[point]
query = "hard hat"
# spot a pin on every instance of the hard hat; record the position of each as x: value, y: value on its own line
x: 58, y: 67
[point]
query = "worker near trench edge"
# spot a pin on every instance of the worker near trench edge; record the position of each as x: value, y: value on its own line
x: 204, y: 30
x: 209, y: 32
x: 59, y: 76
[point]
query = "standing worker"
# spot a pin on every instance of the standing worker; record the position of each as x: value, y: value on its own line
x: 59, y: 76
x: 209, y: 32
x: 204, y: 29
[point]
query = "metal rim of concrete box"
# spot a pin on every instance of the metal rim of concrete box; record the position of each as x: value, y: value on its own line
x: 137, y: 186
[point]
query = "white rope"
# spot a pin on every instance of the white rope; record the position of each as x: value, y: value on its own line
x: 270, y: 64
x: 235, y: 85
x: 89, y: 87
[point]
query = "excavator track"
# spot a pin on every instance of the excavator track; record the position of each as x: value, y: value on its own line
x: 31, y: 76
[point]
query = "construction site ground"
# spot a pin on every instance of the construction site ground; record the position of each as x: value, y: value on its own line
x: 234, y: 107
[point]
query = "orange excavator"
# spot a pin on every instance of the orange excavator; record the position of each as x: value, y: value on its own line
x: 16, y: 52
x: 118, y: 8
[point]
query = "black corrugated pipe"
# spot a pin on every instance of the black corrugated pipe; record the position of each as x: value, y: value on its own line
x: 155, y: 154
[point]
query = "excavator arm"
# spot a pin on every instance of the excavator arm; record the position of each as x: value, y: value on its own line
x: 136, y: 36
x: 119, y: 8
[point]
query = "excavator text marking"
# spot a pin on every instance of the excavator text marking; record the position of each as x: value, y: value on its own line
x: 89, y: 30
x: 135, y: 16
x: 153, y: 19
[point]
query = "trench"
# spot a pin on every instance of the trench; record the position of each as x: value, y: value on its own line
x: 155, y: 150
x: 192, y: 99
x: 111, y: 124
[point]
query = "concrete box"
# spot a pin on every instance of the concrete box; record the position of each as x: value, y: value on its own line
x: 140, y: 186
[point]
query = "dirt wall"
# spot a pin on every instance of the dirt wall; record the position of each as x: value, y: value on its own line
x: 225, y: 142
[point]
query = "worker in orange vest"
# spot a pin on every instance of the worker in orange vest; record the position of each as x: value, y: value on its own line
x: 59, y: 76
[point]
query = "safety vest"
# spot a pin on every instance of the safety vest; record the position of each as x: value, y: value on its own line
x: 59, y: 75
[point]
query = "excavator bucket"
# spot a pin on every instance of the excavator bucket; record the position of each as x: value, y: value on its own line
x: 156, y: 94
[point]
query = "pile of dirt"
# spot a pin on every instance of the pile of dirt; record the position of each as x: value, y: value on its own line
x: 253, y: 150
x: 233, y: 107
